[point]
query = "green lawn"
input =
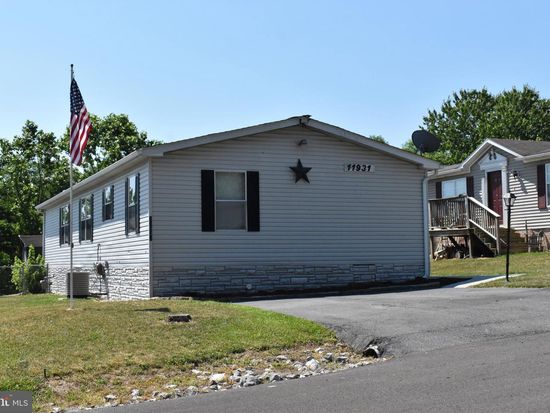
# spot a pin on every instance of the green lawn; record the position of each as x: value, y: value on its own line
x: 536, y: 267
x: 105, y: 347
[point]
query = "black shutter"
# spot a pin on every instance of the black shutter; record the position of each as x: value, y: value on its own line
x: 150, y: 228
x: 112, y: 202
x: 253, y: 200
x: 60, y: 226
x: 438, y: 190
x: 137, y: 204
x: 208, y: 201
x: 103, y: 204
x: 80, y: 219
x: 470, y: 186
x: 541, y: 186
x: 92, y: 223
x: 126, y: 206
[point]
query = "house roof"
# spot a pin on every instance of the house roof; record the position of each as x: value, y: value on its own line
x: 140, y: 155
x: 524, y: 148
x: 34, y: 240
x: 526, y: 151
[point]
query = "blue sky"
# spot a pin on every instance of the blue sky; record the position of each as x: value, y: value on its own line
x: 181, y: 69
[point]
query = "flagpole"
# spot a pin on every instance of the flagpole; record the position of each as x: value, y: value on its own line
x: 71, y: 298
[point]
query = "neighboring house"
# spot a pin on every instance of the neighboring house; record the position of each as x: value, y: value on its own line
x: 495, y: 168
x: 27, y: 241
x: 289, y: 205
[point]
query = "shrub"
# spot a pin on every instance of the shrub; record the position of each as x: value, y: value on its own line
x: 26, y: 275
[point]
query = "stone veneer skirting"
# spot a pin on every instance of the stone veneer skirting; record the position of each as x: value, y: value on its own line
x: 225, y: 279
x: 121, y: 283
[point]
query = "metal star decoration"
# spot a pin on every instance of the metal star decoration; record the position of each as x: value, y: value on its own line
x: 300, y: 172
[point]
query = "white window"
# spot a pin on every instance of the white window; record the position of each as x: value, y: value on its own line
x: 548, y: 184
x: 230, y: 200
x: 453, y: 187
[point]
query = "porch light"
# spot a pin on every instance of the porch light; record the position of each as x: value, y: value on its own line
x: 509, y: 199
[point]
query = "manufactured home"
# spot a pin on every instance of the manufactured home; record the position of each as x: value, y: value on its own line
x: 290, y: 205
x: 467, y: 199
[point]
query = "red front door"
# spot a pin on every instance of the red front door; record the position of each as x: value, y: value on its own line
x: 494, y: 189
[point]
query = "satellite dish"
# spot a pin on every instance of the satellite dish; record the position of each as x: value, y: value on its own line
x: 425, y: 141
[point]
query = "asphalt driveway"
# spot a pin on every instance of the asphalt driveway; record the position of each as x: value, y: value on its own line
x: 425, y: 320
x: 457, y: 350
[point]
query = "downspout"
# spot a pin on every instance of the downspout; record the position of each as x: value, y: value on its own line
x: 44, y: 235
x: 426, y: 226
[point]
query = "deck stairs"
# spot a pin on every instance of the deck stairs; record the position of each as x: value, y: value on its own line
x: 466, y: 217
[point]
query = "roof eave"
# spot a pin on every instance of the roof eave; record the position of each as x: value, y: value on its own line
x: 535, y: 158
x: 336, y: 131
x: 160, y: 150
x: 450, y: 172
x: 504, y: 148
x: 126, y: 162
x: 475, y: 155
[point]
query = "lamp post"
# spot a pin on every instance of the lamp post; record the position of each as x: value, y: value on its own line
x: 509, y: 200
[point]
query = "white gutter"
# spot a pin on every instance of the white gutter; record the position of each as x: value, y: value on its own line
x: 425, y: 218
x: 534, y: 158
x: 450, y: 172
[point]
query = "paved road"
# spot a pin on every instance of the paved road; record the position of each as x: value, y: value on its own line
x: 473, y: 350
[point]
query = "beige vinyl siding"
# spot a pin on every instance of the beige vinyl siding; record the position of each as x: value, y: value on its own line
x: 479, y: 181
x: 116, y: 247
x: 477, y: 184
x: 525, y: 189
x: 475, y: 171
x: 340, y: 217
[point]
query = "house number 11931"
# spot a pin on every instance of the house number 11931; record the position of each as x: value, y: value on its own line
x: 358, y: 167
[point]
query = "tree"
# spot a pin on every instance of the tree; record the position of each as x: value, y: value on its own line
x: 469, y: 117
x: 409, y: 146
x: 111, y: 139
x: 378, y: 138
x: 27, y: 275
x: 34, y: 167
x: 521, y: 114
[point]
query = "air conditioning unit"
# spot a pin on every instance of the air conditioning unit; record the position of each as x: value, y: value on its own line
x: 81, y: 286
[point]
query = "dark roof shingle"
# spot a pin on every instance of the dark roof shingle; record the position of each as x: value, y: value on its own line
x: 524, y: 148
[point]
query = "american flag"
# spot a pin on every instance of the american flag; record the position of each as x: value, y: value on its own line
x: 80, y: 125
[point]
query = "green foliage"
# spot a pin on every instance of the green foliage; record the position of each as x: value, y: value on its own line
x: 534, y: 265
x: 409, y: 146
x: 111, y: 139
x: 26, y: 275
x: 34, y: 167
x: 378, y: 138
x: 469, y: 117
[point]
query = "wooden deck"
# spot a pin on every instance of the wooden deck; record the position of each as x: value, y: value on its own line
x: 466, y: 217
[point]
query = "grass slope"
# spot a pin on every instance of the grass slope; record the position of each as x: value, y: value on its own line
x: 536, y: 267
x: 99, y: 346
